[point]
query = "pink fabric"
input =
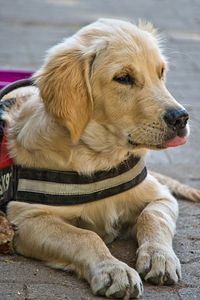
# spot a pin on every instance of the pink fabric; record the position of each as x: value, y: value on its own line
x: 8, y: 76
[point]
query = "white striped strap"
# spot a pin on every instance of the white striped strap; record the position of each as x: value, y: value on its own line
x: 69, y: 188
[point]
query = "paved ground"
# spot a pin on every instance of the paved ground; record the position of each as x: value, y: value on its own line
x: 27, y: 29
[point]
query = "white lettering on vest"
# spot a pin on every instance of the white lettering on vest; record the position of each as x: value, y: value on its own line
x: 4, y: 183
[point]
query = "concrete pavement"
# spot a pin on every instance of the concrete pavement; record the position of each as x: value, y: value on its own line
x: 27, y: 30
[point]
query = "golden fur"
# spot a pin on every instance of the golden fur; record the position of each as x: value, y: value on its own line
x: 80, y: 119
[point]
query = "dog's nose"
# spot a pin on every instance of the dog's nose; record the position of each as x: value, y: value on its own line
x: 176, y: 118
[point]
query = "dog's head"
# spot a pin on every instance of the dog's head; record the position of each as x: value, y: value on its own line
x: 113, y: 73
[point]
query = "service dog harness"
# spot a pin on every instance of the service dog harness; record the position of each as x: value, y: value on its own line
x: 54, y: 187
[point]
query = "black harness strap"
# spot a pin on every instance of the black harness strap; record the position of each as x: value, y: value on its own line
x: 69, y: 188
x: 15, y: 85
x: 8, y: 173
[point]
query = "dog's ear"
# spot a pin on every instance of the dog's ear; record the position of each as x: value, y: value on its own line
x: 64, y: 86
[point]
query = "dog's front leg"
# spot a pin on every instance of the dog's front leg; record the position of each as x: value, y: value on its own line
x: 44, y: 236
x: 156, y: 261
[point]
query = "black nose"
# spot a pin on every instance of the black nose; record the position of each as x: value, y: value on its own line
x: 176, y: 119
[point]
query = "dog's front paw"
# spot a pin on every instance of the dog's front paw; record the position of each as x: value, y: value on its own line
x: 115, y: 279
x: 158, y: 264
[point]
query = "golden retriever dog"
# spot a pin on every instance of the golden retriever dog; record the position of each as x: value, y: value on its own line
x: 99, y: 99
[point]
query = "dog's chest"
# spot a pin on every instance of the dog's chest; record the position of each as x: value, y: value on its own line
x: 109, y: 231
x: 112, y: 218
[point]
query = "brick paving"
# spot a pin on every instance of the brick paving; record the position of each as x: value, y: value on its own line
x: 27, y: 30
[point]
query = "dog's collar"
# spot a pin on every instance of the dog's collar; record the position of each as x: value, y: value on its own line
x: 69, y: 188
x: 60, y: 187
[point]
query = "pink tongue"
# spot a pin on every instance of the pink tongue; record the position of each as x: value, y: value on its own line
x: 177, y: 141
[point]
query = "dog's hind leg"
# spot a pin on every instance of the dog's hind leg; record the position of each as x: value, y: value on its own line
x: 177, y: 188
x: 42, y: 235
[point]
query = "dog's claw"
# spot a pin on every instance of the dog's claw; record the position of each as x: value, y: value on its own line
x: 158, y: 265
x: 115, y: 279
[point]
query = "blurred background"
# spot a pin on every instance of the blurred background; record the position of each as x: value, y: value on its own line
x: 27, y: 29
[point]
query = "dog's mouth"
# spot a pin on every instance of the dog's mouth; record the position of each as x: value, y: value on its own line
x: 174, y: 141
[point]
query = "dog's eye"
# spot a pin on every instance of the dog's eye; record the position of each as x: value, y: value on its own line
x: 162, y: 73
x: 125, y: 79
